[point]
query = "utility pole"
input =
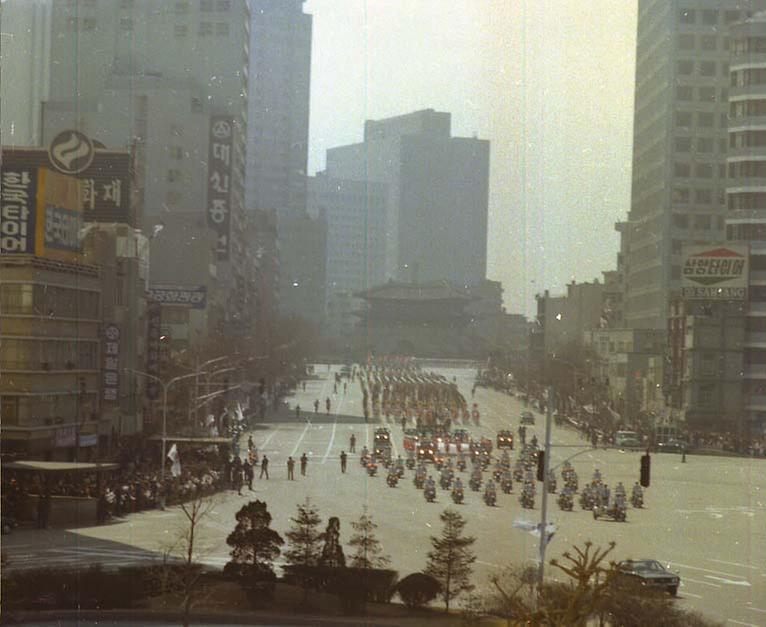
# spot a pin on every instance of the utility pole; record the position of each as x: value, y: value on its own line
x: 544, y: 508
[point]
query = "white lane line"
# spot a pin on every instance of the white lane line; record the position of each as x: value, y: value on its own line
x: 489, y: 564
x: 704, y: 583
x: 705, y: 570
x: 739, y: 622
x: 689, y: 594
x: 733, y: 564
x: 267, y: 440
x: 757, y: 609
x: 332, y: 439
x: 300, y: 439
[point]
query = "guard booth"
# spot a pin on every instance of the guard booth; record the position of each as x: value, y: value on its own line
x: 62, y: 510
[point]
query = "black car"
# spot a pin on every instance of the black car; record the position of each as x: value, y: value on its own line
x: 650, y: 573
x: 527, y: 418
x: 672, y: 446
x: 504, y: 439
x: 382, y: 436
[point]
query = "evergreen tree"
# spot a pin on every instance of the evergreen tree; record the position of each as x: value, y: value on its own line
x: 450, y: 561
x: 368, y: 552
x: 254, y: 544
x: 332, y: 551
x: 304, y: 549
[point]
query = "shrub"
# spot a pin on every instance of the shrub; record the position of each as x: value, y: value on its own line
x: 418, y: 589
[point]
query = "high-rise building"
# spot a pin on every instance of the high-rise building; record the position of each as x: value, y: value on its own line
x: 436, y: 212
x: 746, y: 194
x: 278, y: 105
x: 679, y: 146
x: 354, y: 211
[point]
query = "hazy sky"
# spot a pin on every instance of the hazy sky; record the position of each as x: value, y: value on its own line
x: 548, y: 82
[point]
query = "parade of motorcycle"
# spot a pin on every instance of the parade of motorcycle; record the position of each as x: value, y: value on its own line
x: 439, y: 448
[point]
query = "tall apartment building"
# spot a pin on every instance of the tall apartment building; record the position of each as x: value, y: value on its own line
x: 278, y: 105
x: 436, y: 212
x: 746, y: 194
x: 354, y: 211
x: 679, y: 146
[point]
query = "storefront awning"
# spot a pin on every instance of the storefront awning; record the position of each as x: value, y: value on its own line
x: 58, y: 467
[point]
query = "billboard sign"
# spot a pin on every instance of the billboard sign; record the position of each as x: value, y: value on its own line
x: 59, y: 216
x: 220, y: 154
x: 18, y: 194
x: 110, y: 384
x: 193, y: 297
x: 715, y: 273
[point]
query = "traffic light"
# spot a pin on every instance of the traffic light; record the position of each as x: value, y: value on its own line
x: 541, y: 465
x: 646, y: 463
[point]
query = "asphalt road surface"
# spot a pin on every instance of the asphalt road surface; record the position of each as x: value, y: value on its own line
x: 706, y: 517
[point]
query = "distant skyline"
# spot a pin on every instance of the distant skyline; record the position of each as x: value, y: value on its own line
x: 554, y: 76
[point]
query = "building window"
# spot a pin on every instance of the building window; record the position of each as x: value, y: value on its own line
x: 707, y: 68
x: 681, y: 195
x: 681, y: 221
x: 686, y: 41
x: 686, y: 16
x: 205, y: 29
x: 126, y: 24
x: 685, y: 67
x: 710, y: 17
x: 704, y: 170
x: 173, y: 176
x: 709, y: 42
x: 705, y: 120
x: 222, y: 29
x: 684, y: 92
x: 205, y: 5
x: 706, y: 395
x: 681, y: 169
x: 701, y: 222
x: 683, y: 144
x: 707, y: 94
x: 180, y: 30
x: 224, y: 5
x: 182, y: 7
x: 683, y: 119
x: 705, y: 144
x: 703, y: 196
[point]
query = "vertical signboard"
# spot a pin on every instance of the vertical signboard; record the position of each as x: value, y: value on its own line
x: 110, y: 383
x: 59, y: 216
x: 153, y: 349
x: 219, y: 182
x: 18, y: 194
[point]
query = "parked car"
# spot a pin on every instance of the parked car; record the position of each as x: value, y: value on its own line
x: 650, y: 573
x: 672, y: 446
x: 527, y: 418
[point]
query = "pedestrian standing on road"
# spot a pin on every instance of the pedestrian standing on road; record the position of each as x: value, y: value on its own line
x: 352, y: 444
x: 304, y: 386
x: 290, y: 469
x: 238, y: 475
x: 327, y: 405
x: 250, y: 443
x: 264, y: 467
x: 345, y: 386
x: 304, y: 462
x: 247, y: 467
x: 343, y: 458
x: 316, y: 406
x: 298, y: 412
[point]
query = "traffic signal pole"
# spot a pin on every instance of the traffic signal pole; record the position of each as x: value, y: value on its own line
x: 544, y: 508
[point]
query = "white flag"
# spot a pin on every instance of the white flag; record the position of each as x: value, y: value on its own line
x: 174, y: 457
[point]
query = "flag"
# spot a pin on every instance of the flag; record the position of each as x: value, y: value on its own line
x: 174, y: 457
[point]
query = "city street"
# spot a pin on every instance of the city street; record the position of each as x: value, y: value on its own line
x: 705, y: 517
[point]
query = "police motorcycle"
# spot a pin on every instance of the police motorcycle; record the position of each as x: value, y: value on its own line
x: 551, y: 483
x: 565, y: 500
x: 485, y: 459
x: 372, y: 468
x: 497, y: 473
x: 490, y: 495
x: 637, y: 497
x: 445, y: 480
x: 420, y: 477
x: 505, y: 459
x: 392, y: 478
x: 475, y: 481
x: 399, y: 467
x: 506, y: 482
x: 429, y: 491
x: 364, y: 459
x: 571, y: 481
x: 518, y: 472
x: 410, y: 463
x: 457, y: 492
x: 461, y: 462
x: 588, y: 497
x: 527, y: 496
x: 618, y: 510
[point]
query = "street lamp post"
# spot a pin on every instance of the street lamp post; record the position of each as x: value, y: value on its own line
x: 165, y: 387
x: 544, y: 508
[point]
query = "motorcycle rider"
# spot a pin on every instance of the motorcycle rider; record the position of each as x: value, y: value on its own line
x: 476, y: 476
x: 489, y: 491
x: 638, y: 493
x: 620, y: 490
x: 597, y: 475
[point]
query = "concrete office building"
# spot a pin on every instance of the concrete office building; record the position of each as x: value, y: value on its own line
x: 278, y: 105
x: 746, y: 194
x: 679, y: 145
x: 436, y: 212
x: 354, y: 211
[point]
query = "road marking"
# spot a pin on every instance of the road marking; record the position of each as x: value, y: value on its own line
x: 300, y: 439
x: 733, y: 582
x: 689, y: 594
x: 332, y: 439
x: 706, y: 570
x: 267, y: 440
x: 733, y: 564
x: 756, y: 609
x: 739, y: 622
x: 704, y: 583
x: 489, y: 564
